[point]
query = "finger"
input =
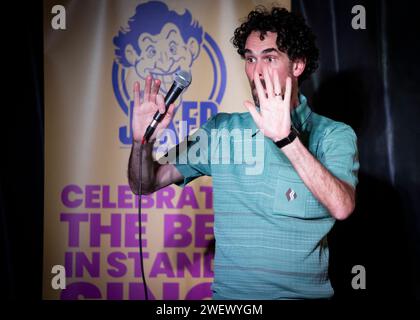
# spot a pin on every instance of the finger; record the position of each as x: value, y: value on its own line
x: 154, y: 90
x: 136, y: 93
x: 147, y: 87
x: 254, y: 113
x: 277, y: 85
x: 268, y: 83
x: 288, y: 93
x: 160, y: 102
x: 260, y: 90
x: 170, y: 111
x: 168, y: 116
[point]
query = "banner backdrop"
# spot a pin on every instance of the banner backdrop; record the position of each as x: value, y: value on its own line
x: 91, y: 220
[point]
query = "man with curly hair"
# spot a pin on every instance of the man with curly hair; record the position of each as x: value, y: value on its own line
x: 270, y: 229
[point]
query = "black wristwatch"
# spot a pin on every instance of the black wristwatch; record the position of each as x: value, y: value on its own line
x: 289, y: 139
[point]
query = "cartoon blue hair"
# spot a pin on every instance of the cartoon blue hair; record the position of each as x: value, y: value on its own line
x: 151, y: 17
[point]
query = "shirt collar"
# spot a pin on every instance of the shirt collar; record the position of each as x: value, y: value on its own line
x: 301, y: 113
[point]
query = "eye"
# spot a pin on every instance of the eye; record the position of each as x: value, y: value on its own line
x: 270, y: 59
x: 250, y: 59
x: 173, y: 48
x: 151, y: 51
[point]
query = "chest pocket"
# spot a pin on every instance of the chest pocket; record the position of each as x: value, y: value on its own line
x: 290, y: 193
x: 292, y: 197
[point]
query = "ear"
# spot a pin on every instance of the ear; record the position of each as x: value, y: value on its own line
x: 298, y: 67
x: 193, y: 47
x: 130, y: 54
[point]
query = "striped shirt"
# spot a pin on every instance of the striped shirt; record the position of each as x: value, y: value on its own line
x: 270, y: 230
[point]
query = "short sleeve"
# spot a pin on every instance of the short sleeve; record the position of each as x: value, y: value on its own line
x: 340, y: 155
x: 192, y: 156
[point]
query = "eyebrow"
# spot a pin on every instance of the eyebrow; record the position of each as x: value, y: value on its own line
x: 148, y: 38
x: 169, y: 33
x: 268, y: 50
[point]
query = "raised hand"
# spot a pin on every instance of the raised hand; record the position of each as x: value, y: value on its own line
x: 144, y: 110
x: 274, y: 116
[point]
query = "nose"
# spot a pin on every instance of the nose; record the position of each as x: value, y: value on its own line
x: 259, y: 68
x: 163, y: 57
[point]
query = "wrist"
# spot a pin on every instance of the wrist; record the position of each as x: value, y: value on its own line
x: 281, y: 136
x: 137, y: 143
x: 292, y: 135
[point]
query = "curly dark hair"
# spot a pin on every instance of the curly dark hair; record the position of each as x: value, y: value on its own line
x: 294, y: 37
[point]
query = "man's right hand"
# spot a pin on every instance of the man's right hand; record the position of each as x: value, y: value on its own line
x: 144, y: 110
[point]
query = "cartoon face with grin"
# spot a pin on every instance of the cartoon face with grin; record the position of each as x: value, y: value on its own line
x: 163, y: 54
x: 159, y: 42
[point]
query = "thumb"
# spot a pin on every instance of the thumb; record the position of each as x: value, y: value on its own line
x: 254, y: 113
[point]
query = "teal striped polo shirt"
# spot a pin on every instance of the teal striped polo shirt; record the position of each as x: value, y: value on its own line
x: 270, y: 230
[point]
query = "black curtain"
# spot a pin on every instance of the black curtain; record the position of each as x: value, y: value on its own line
x: 367, y: 79
x: 22, y: 154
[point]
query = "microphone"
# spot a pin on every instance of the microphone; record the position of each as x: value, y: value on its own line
x: 182, y: 80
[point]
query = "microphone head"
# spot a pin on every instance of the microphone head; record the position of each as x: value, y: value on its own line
x: 183, y: 78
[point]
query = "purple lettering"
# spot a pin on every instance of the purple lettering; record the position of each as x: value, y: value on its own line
x: 82, y: 262
x: 187, y: 198
x: 185, y: 263
x: 136, y: 261
x: 203, y: 232
x: 114, y: 291
x: 114, y: 261
x: 132, y: 230
x: 74, y: 220
x: 170, y: 291
x: 146, y: 201
x: 124, y: 193
x: 78, y: 290
x: 164, y: 197
x: 106, y: 202
x: 208, y: 191
x: 68, y: 264
x: 199, y: 292
x: 176, y: 232
x: 162, y: 265
x: 136, y: 292
x: 65, y: 196
x: 92, y: 194
x: 96, y: 230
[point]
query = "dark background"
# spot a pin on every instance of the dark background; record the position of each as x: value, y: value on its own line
x: 367, y: 78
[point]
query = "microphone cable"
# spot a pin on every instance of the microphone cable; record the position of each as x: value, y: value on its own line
x: 146, y: 296
x: 182, y: 80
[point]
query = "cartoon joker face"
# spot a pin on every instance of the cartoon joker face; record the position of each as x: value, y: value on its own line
x: 162, y: 55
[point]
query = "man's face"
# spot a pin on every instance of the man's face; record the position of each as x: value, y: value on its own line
x: 260, y: 54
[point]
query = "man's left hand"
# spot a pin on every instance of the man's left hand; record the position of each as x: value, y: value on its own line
x: 274, y: 116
